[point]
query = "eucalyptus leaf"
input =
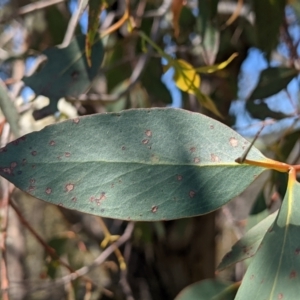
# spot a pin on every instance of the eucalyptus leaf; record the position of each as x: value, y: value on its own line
x: 274, y: 271
x: 143, y: 164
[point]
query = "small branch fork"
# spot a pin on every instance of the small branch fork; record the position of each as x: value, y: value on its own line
x: 267, y: 163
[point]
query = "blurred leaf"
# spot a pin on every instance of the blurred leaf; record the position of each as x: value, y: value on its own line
x: 268, y: 24
x: 210, y: 289
x: 186, y: 77
x: 9, y: 110
x: 57, y: 29
x: 120, y: 104
x: 247, y: 246
x: 95, y: 7
x: 217, y: 67
x: 262, y: 111
x: 65, y: 73
x: 176, y: 163
x: 259, y: 205
x: 271, y: 81
x: 151, y: 77
x: 187, y: 80
x: 176, y: 8
x: 279, y: 254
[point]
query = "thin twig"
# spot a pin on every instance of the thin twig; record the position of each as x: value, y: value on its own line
x: 100, y: 259
x: 4, y: 223
x: 73, y: 23
x: 48, y: 249
x: 31, y: 8
x: 241, y: 159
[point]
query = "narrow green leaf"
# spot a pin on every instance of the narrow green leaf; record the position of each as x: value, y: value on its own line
x: 144, y: 164
x: 95, y: 7
x: 275, y: 269
x: 66, y: 72
x: 210, y: 289
x: 262, y: 111
x: 9, y: 110
x: 271, y: 81
x: 247, y: 246
x: 267, y: 25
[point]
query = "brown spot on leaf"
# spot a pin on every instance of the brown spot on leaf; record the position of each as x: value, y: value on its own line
x: 154, y: 208
x: 179, y: 177
x: 13, y: 164
x: 60, y: 204
x: 52, y: 143
x: 252, y: 277
x: 33, y: 166
x: 145, y: 141
x: 293, y: 274
x: 67, y: 154
x: 148, y: 133
x: 211, y: 126
x: 280, y: 296
x: 92, y: 199
x: 196, y: 160
x: 31, y: 189
x: 233, y: 142
x: 102, y: 196
x: 75, y: 75
x: 112, y: 185
x: 32, y: 181
x: 297, y: 251
x: 193, y: 149
x: 24, y: 162
x: 123, y: 148
x: 48, y: 190
x: 76, y: 120
x: 7, y: 171
x: 74, y: 199
x: 192, y: 194
x: 69, y: 187
x: 33, y: 153
x: 214, y: 158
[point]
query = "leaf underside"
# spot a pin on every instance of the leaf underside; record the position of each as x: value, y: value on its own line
x: 147, y: 164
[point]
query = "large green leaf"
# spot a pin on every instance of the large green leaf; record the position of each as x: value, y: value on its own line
x: 247, y: 246
x: 271, y: 81
x: 279, y: 254
x: 147, y: 164
x: 66, y: 73
x: 210, y: 289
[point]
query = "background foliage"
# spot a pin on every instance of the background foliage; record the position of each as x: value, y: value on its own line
x: 150, y: 54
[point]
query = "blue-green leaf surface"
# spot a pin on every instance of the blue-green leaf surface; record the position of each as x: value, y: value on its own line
x: 274, y: 272
x: 247, y: 246
x: 146, y: 164
x: 66, y: 72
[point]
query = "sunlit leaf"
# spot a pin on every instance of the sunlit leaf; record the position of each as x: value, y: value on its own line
x: 186, y: 77
x: 274, y: 270
x: 147, y: 164
x: 217, y: 67
x: 271, y: 81
x: 247, y: 246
